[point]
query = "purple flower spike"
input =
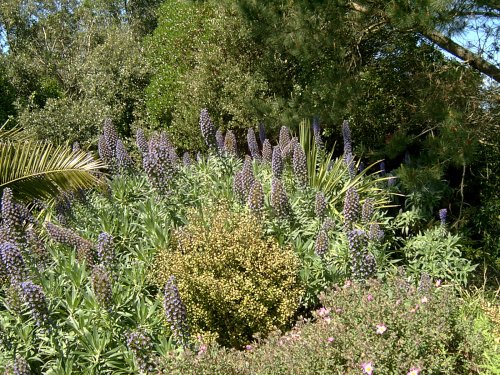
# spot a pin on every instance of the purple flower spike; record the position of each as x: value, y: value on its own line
x: 142, y: 142
x: 267, y: 151
x: 175, y: 312
x: 321, y: 245
x: 277, y: 162
x: 207, y: 128
x: 252, y: 145
x: 34, y: 297
x: 141, y: 345
x: 300, y: 166
x: 442, y: 216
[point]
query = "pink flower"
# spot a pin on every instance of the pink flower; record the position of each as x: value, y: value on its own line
x: 367, y: 368
x: 413, y: 371
x: 248, y: 347
x: 438, y: 283
x: 330, y: 339
x: 328, y: 319
x: 381, y: 328
x: 424, y: 299
x: 398, y: 302
x: 338, y: 310
x: 369, y: 297
x: 323, y: 312
x: 347, y: 284
x: 203, y: 349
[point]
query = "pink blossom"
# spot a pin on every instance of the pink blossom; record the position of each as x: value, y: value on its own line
x: 381, y: 328
x: 327, y: 319
x: 203, y: 349
x: 438, y: 283
x: 367, y: 368
x: 248, y: 347
x: 424, y: 299
x: 323, y: 312
x: 369, y: 297
x: 413, y: 371
x: 330, y: 339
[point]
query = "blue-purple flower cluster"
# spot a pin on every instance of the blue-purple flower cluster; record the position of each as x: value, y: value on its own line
x: 34, y: 297
x: 256, y: 197
x: 362, y: 262
x: 84, y: 248
x: 106, y: 251
x: 101, y: 284
x: 322, y: 243
x: 252, y: 145
x: 279, y: 198
x: 267, y: 151
x: 230, y: 144
x: 12, y: 263
x: 139, y: 343
x: 175, y: 312
x: 160, y: 162
x: 277, y: 162
x: 300, y: 166
x: 320, y: 205
x: 207, y: 128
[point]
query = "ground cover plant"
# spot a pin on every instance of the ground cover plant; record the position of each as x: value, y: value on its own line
x: 202, y: 264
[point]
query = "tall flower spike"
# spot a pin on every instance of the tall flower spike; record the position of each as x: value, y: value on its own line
x: 376, y: 234
x: 219, y: 138
x: 277, y: 162
x: 67, y: 237
x: 110, y: 135
x: 267, y: 151
x: 300, y: 166
x: 101, y: 283
x: 351, y: 207
x: 139, y: 343
x: 317, y: 133
x: 11, y: 220
x: 142, y: 142
x: 287, y: 152
x: 13, y: 263
x: 34, y: 297
x: 20, y: 367
x: 367, y: 211
x: 442, y: 216
x: 207, y: 128
x: 104, y: 152
x: 284, y: 137
x: 279, y: 199
x: 358, y: 253
x: 230, y: 145
x: 252, y: 145
x: 328, y: 225
x: 238, y: 189
x: 158, y: 163
x: 321, y: 245
x: 256, y: 197
x: 37, y: 247
x: 175, y: 312
x: 247, y: 177
x: 106, y: 251
x: 351, y: 167
x: 320, y: 205
x: 346, y: 133
x: 262, y: 133
x: 123, y: 159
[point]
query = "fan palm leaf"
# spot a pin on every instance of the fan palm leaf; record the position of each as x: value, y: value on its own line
x: 40, y: 170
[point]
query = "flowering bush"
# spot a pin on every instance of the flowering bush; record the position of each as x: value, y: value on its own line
x: 372, y: 328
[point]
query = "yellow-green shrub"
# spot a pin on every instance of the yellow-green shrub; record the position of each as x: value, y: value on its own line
x: 233, y: 281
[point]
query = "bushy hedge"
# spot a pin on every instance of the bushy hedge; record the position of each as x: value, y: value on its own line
x: 233, y: 281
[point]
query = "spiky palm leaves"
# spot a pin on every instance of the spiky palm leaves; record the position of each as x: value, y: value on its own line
x: 34, y: 169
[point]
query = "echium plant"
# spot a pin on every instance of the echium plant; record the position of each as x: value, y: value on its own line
x: 175, y: 312
x: 12, y: 263
x: 158, y: 163
x: 106, y: 251
x: 230, y: 144
x: 107, y: 143
x: 219, y: 139
x: 123, y: 160
x: 279, y: 199
x: 442, y: 218
x: 256, y: 197
x: 37, y: 248
x: 238, y: 190
x: 300, y: 166
x: 287, y: 153
x: 362, y: 263
x: 34, y: 297
x: 284, y: 138
x: 320, y: 205
x: 277, y: 162
x: 367, y: 211
x: 207, y: 128
x: 11, y: 225
x: 142, y: 142
x: 346, y: 133
x: 84, y: 248
x: 101, y: 284
x: 322, y: 243
x: 141, y: 345
x: 252, y: 145
x: 351, y: 208
x: 267, y: 151
x: 247, y: 177
x: 262, y: 133
x: 19, y: 367
x: 317, y: 133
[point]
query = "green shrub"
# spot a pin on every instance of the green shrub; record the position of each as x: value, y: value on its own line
x: 418, y: 328
x: 233, y: 281
x: 437, y: 255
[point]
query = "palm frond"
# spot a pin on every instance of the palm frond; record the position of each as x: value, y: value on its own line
x: 14, y: 134
x: 39, y: 170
